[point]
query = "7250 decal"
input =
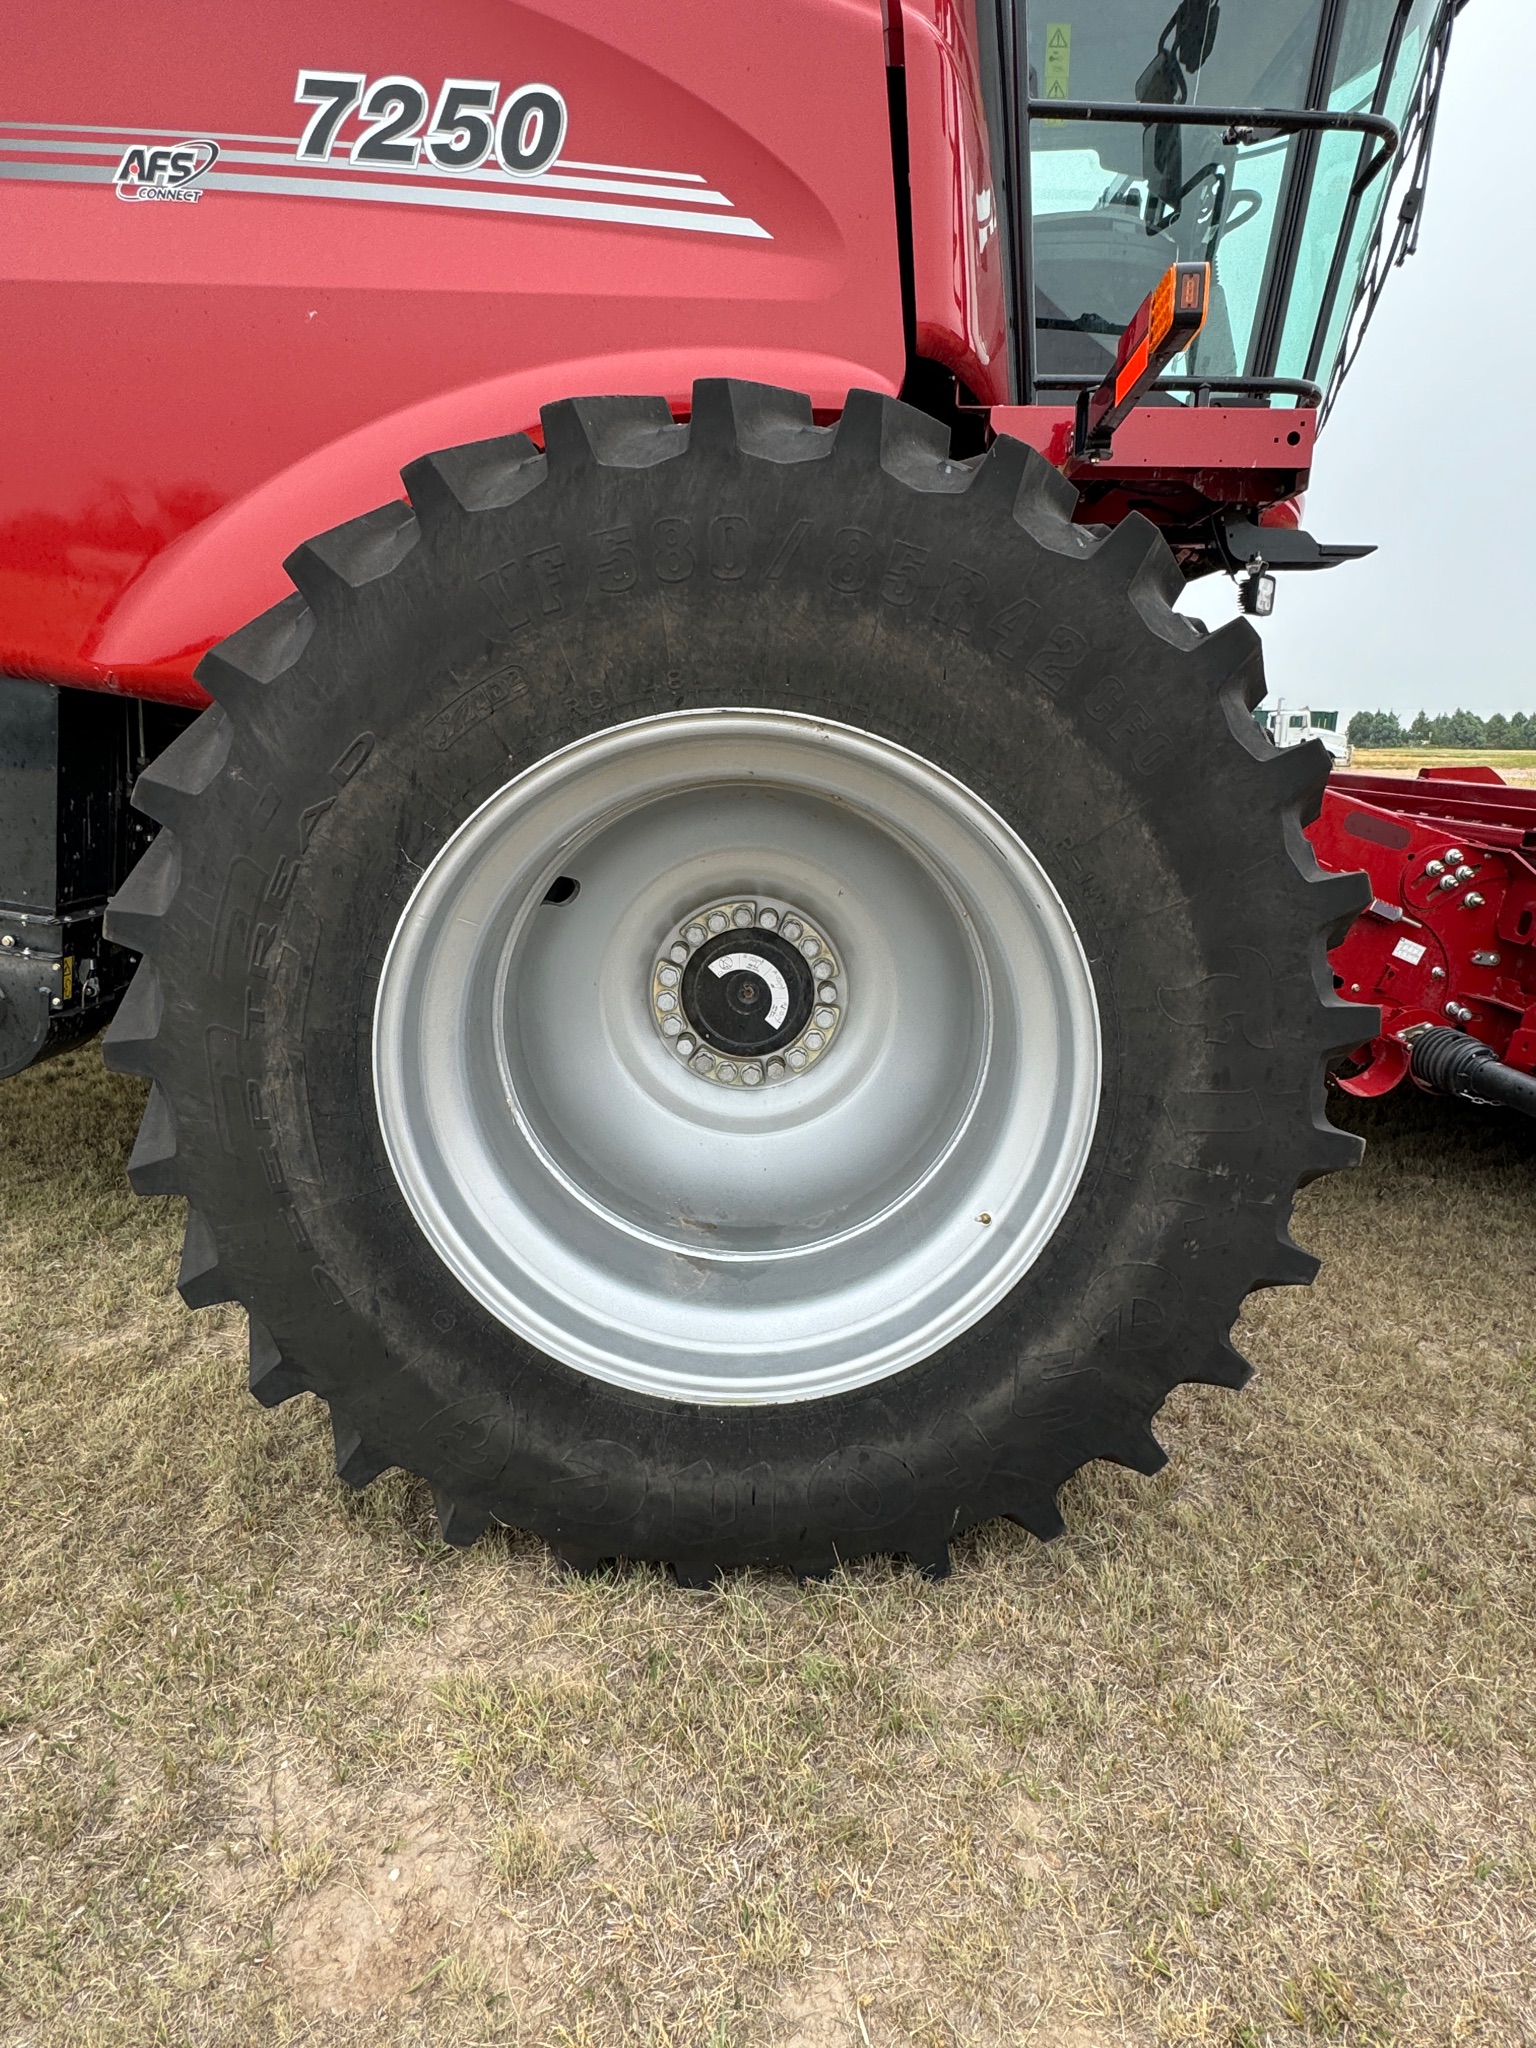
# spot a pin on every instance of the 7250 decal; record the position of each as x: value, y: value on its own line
x: 470, y: 122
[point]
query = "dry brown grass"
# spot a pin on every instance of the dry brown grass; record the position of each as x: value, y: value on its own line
x: 1513, y: 765
x: 1247, y: 1758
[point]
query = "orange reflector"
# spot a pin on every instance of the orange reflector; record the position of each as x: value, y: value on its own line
x: 1163, y: 326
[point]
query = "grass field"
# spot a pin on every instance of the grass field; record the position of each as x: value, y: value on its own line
x: 1515, y: 766
x: 1248, y: 1758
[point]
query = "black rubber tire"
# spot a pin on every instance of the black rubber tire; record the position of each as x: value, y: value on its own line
x: 359, y: 722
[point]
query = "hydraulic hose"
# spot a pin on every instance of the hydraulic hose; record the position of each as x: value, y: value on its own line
x: 1452, y: 1063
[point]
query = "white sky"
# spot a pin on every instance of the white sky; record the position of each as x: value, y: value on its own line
x: 1431, y: 450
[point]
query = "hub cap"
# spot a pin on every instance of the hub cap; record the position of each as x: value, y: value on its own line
x: 755, y: 982
x: 782, y: 1098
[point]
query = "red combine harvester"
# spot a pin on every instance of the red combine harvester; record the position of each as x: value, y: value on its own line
x: 723, y: 975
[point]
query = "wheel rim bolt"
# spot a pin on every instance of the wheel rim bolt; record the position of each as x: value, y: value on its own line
x: 745, y: 915
x: 752, y: 1075
x: 695, y: 935
x: 671, y: 1026
x: 679, y: 952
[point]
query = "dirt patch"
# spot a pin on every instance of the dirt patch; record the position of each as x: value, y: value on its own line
x: 386, y: 1927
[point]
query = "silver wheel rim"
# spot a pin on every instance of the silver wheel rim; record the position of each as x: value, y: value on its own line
x: 711, y: 1243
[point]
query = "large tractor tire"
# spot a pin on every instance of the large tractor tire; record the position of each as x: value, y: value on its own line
x: 734, y: 992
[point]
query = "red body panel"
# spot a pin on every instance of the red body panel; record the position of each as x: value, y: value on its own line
x: 1182, y: 459
x: 193, y: 388
x: 957, y: 258
x: 1438, y: 945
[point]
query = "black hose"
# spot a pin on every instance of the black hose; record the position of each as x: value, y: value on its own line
x: 1453, y: 1063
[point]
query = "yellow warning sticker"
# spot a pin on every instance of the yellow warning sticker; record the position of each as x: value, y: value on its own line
x: 1058, y: 60
x: 69, y: 976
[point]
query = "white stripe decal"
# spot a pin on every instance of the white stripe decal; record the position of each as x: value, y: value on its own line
x: 132, y: 134
x: 291, y: 143
x: 497, y: 179
x: 524, y: 202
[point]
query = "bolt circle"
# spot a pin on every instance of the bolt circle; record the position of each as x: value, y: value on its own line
x: 755, y: 981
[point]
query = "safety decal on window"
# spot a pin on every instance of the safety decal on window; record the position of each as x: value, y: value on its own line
x: 473, y: 145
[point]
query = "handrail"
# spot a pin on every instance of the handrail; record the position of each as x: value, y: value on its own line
x: 1237, y: 122
x: 1256, y: 387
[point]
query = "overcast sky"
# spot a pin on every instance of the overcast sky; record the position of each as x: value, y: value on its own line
x: 1431, y: 450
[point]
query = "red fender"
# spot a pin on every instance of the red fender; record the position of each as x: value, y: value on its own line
x: 230, y: 567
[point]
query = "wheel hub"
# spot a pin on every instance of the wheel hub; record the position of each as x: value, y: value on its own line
x: 747, y: 993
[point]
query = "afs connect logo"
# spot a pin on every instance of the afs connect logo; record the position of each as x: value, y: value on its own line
x: 150, y: 172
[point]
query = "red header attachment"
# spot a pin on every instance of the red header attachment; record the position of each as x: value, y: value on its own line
x: 1163, y: 326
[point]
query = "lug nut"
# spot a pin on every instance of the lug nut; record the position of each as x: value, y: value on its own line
x: 744, y: 915
x: 685, y: 1046
x: 769, y: 920
x: 695, y: 935
x: 668, y: 977
x: 752, y: 1075
x: 679, y: 952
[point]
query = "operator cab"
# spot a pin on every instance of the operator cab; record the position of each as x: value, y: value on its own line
x: 1286, y: 211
